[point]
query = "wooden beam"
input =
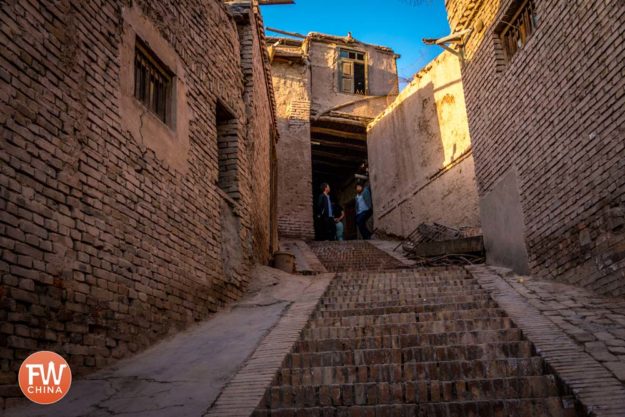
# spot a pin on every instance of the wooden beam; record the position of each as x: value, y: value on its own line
x: 338, y: 133
x: 340, y: 120
x: 275, y: 2
x: 338, y: 145
x: 284, y: 32
x: 334, y: 154
x: 334, y: 163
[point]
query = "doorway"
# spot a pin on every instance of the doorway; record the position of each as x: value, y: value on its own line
x: 339, y: 158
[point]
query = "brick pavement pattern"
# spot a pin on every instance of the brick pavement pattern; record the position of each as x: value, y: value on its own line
x: 595, y: 386
x: 357, y: 255
x: 595, y: 323
x: 422, y: 342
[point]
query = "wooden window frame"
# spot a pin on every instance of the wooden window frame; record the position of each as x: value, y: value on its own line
x: 153, y: 83
x: 350, y: 76
x: 517, y: 28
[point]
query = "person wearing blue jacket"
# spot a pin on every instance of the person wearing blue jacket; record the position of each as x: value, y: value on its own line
x: 364, y: 209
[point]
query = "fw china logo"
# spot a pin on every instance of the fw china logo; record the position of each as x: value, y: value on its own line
x: 45, y: 377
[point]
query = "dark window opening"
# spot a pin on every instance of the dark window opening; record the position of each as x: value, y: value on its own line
x: 360, y: 84
x: 353, y: 72
x: 517, y: 27
x: 153, y: 82
x: 227, y: 145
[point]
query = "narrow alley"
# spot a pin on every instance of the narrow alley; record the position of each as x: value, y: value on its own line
x: 312, y: 208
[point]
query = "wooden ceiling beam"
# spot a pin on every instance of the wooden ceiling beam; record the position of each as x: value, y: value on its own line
x: 274, y: 2
x: 320, y: 143
x: 338, y: 133
x: 333, y: 156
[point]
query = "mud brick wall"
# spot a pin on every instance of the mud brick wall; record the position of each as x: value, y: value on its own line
x: 107, y: 242
x: 555, y: 115
x: 420, y: 160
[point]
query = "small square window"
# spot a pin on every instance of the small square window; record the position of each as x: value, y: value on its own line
x: 153, y: 82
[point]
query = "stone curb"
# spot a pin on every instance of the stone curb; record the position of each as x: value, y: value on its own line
x: 243, y: 393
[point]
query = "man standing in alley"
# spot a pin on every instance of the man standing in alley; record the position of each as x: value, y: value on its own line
x: 363, y: 209
x: 325, y: 214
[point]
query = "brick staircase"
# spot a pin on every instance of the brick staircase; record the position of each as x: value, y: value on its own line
x: 353, y: 255
x: 423, y: 342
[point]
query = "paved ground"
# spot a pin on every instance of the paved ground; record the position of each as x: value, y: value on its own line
x: 595, y: 323
x: 393, y: 248
x: 424, y: 342
x: 306, y: 262
x: 222, y: 367
x: 601, y: 393
x: 185, y: 375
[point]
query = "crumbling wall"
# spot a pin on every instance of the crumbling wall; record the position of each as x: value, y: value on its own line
x: 325, y: 92
x: 291, y: 82
x: 420, y: 160
x: 554, y: 115
x: 108, y: 242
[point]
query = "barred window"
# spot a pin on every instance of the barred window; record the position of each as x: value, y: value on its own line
x: 153, y: 82
x: 517, y: 27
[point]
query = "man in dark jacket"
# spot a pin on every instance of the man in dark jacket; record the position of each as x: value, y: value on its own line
x: 325, y: 214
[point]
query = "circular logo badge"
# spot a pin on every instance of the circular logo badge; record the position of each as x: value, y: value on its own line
x: 45, y: 377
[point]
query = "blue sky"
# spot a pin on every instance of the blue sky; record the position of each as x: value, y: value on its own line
x: 399, y: 24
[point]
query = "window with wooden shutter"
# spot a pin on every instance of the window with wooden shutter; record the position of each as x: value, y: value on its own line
x: 347, y: 74
x: 517, y: 27
x: 352, y: 72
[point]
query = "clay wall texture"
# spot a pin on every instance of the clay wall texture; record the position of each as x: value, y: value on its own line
x: 108, y: 244
x: 420, y: 160
x: 325, y: 93
x: 555, y: 114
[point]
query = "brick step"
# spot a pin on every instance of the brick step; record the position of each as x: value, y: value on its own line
x: 345, y: 305
x: 423, y: 308
x: 422, y: 296
x: 407, y: 272
x: 389, y: 281
x: 533, y: 407
x: 409, y: 340
x: 378, y: 393
x: 439, y: 288
x: 441, y: 371
x: 407, y: 283
x: 519, y: 349
x: 405, y: 318
x: 428, y: 290
x: 496, y: 323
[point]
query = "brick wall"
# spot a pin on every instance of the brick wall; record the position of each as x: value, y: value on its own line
x: 555, y: 115
x: 420, y: 160
x: 261, y: 131
x: 291, y: 82
x: 110, y: 239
